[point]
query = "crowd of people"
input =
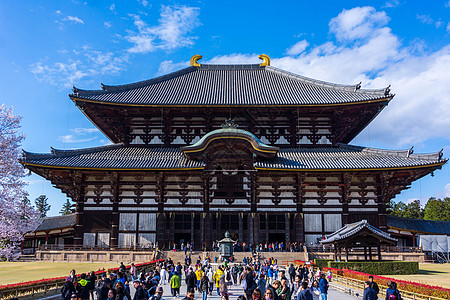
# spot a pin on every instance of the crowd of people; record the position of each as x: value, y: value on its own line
x: 258, y: 281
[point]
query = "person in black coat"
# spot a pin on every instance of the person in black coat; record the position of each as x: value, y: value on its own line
x: 191, y: 281
x: 140, y: 293
x: 68, y: 289
x: 83, y: 287
x: 102, y: 293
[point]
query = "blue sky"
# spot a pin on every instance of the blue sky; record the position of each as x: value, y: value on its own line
x: 48, y: 46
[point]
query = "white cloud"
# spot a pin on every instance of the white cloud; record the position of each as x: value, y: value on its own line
x: 357, y: 23
x: 175, y: 23
x: 391, y: 3
x: 79, y: 135
x: 448, y: 27
x: 447, y: 190
x: 83, y: 63
x: 73, y: 19
x: 297, y: 48
x: 169, y: 66
x: 58, y: 12
x: 143, y: 2
x: 107, y: 24
x: 368, y: 51
x: 113, y: 7
x: 426, y: 19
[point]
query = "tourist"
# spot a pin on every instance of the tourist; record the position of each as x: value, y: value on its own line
x: 83, y: 286
x: 92, y: 279
x: 122, y: 268
x: 262, y: 283
x: 204, y: 286
x: 269, y: 294
x: 296, y: 286
x: 158, y: 294
x: 256, y: 295
x: 330, y: 274
x: 111, y: 294
x: 291, y: 272
x: 191, y: 281
x: 250, y: 283
x: 122, y: 292
x: 392, y: 293
x: 73, y: 276
x: 323, y: 287
x: 304, y: 293
x: 140, y: 293
x: 102, y: 293
x: 283, y: 291
x: 274, y: 287
x: 216, y: 278
x: 175, y: 284
x: 68, y: 289
x: 374, y: 285
x: 270, y: 274
x: 199, y: 275
x: 133, y: 271
x: 223, y: 288
x: 210, y: 275
x: 315, y: 291
x: 369, y: 293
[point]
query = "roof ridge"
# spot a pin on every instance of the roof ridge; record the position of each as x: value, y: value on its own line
x: 401, y: 153
x: 117, y: 88
x: 62, y: 216
x: 70, y: 152
x: 348, y: 88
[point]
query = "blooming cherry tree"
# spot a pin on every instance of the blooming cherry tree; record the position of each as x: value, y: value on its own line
x: 17, y: 217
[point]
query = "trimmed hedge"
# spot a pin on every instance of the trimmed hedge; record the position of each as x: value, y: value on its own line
x: 321, y: 263
x: 378, y: 267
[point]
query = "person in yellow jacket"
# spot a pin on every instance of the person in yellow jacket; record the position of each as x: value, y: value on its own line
x: 199, y: 274
x: 216, y: 278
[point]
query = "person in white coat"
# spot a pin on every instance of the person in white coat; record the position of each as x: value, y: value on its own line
x: 163, y: 275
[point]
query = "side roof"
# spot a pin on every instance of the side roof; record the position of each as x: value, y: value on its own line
x: 58, y: 222
x: 231, y: 85
x: 418, y: 225
x: 340, y: 158
x: 352, y: 229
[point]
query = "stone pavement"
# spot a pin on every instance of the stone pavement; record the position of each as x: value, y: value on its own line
x: 236, y: 290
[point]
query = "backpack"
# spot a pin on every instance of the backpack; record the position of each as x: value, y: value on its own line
x: 393, y: 296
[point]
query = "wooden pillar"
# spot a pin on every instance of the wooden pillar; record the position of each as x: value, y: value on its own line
x: 346, y: 182
x: 382, y: 184
x: 192, y: 229
x: 253, y: 222
x: 365, y: 253
x: 160, y: 217
x: 298, y: 219
x: 267, y: 227
x: 370, y: 253
x: 206, y: 216
x: 379, y: 252
x: 114, y: 238
x: 346, y: 254
x: 241, y: 233
x: 287, y: 228
x: 79, y: 210
x: 335, y: 253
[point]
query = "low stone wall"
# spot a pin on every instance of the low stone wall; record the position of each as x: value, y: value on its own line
x: 94, y: 256
x: 398, y: 256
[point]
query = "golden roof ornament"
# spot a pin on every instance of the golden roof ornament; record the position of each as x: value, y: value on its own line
x: 194, y: 60
x: 266, y: 60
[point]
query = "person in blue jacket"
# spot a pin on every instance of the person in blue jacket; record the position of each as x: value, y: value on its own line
x: 305, y: 293
x: 323, y: 287
x: 369, y: 293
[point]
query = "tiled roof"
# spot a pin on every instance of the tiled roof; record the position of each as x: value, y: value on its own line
x: 346, y: 157
x: 114, y: 157
x: 57, y: 222
x: 342, y: 157
x: 230, y: 85
x: 418, y: 225
x: 352, y: 229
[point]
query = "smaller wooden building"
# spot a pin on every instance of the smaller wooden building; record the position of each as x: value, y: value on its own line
x: 358, y: 235
x: 57, y: 231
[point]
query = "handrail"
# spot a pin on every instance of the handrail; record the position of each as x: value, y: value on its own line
x: 94, y: 248
x: 359, y: 285
x: 385, y: 249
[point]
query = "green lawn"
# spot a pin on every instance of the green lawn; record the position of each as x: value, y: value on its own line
x: 434, y: 274
x: 12, y: 272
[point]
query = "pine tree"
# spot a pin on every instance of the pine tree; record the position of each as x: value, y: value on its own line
x: 67, y: 208
x: 42, y: 206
